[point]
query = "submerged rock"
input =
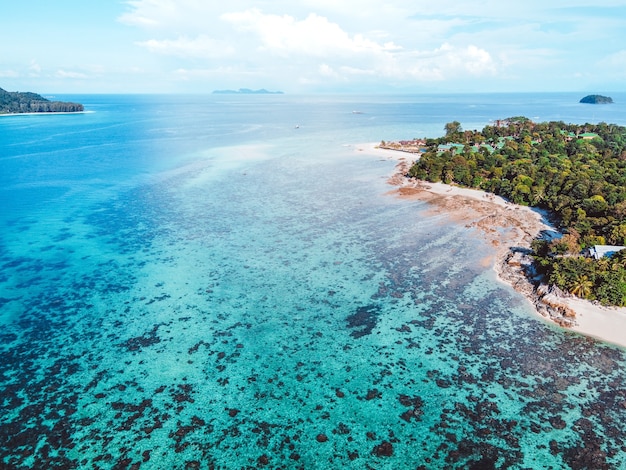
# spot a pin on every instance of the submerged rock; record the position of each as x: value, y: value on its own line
x: 384, y: 449
x: 363, y: 320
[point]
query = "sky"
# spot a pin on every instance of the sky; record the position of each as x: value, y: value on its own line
x: 313, y: 46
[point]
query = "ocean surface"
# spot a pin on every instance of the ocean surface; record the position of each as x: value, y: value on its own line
x: 225, y: 282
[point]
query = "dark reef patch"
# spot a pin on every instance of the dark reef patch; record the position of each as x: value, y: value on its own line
x: 363, y: 321
x: 149, y: 338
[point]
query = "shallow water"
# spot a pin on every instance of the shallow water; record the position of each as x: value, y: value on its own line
x: 196, y: 283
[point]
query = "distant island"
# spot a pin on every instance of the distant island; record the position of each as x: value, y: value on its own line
x: 17, y: 103
x: 596, y: 99
x: 247, y: 91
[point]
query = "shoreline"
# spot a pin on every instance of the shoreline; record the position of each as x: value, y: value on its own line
x: 518, y: 225
x: 45, y: 113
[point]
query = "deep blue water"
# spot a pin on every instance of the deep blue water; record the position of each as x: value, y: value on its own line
x: 224, y: 282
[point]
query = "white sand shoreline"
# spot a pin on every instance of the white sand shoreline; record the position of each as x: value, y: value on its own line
x: 607, y: 324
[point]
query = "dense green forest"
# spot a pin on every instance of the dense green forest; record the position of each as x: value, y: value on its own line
x: 575, y: 172
x: 16, y: 102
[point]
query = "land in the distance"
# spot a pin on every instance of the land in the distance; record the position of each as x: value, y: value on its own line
x: 576, y: 174
x: 17, y: 103
x: 247, y: 91
x: 596, y: 99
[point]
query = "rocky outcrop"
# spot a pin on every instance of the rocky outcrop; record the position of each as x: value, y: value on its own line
x: 552, y: 303
x: 517, y: 270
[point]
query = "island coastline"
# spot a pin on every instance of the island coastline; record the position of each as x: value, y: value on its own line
x: 15, y: 102
x: 45, y: 113
x: 519, y: 226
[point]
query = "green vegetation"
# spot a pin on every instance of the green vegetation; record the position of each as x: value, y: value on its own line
x: 596, y: 99
x: 576, y: 172
x: 16, y: 102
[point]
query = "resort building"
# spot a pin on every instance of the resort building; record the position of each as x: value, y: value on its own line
x: 600, y: 251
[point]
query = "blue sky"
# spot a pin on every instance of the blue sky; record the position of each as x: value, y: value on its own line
x: 308, y: 46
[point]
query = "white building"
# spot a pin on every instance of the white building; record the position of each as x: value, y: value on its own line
x: 600, y: 251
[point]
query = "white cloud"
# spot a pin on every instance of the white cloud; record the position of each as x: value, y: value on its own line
x: 617, y: 60
x: 315, y: 35
x: 307, y: 46
x: 438, y: 65
x: 146, y: 13
x: 326, y: 70
x: 194, y: 74
x: 199, y: 47
x: 9, y: 74
x: 34, y: 69
x: 68, y: 74
x: 189, y: 16
x: 136, y: 20
x: 400, y: 42
x: 443, y: 63
x: 470, y: 59
x: 614, y: 65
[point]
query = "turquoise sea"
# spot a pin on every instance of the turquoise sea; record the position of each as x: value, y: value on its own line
x: 224, y: 282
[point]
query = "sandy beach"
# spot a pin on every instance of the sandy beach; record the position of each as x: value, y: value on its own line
x: 509, y: 229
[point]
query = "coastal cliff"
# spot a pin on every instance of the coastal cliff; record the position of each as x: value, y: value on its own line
x: 16, y: 103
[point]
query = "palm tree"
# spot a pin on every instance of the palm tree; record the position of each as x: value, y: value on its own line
x: 538, y: 194
x: 582, y: 286
x: 453, y: 129
x: 557, y: 277
x: 603, y: 264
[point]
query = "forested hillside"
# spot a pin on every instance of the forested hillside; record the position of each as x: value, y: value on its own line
x: 16, y: 102
x: 576, y: 172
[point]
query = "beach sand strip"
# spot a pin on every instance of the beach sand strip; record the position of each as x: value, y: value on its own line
x: 510, y: 229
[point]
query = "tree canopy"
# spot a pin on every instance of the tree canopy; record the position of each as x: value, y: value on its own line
x: 16, y: 102
x: 596, y: 99
x: 576, y: 172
